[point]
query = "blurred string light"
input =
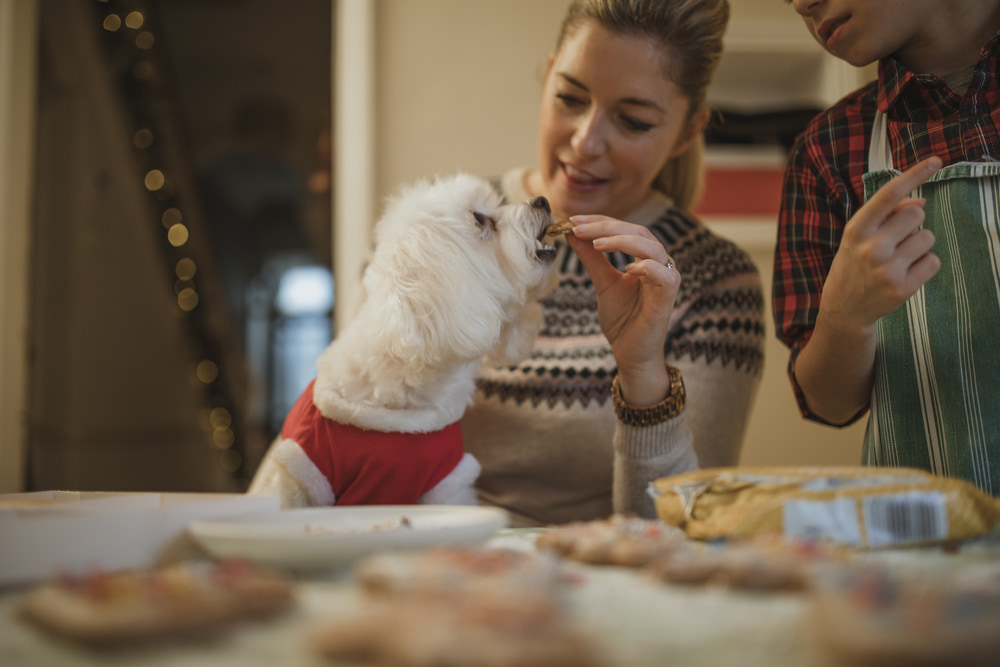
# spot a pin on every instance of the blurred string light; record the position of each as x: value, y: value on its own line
x: 177, y: 235
x: 172, y: 216
x: 185, y: 268
x: 154, y: 180
x: 130, y: 41
x: 134, y: 20
x: 143, y: 138
x: 207, y: 371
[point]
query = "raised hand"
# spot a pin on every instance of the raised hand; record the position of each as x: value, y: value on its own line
x: 633, y: 307
x: 885, y: 256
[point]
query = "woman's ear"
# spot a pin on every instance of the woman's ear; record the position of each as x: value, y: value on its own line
x: 694, y: 129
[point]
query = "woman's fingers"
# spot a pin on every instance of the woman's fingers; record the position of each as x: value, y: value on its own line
x: 612, y: 235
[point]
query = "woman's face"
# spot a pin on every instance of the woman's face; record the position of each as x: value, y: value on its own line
x: 610, y: 119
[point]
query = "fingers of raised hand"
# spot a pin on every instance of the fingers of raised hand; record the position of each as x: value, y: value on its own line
x: 599, y: 226
x: 640, y: 247
x: 885, y: 201
x: 877, y: 245
x: 915, y: 244
x: 611, y: 235
x: 904, y: 219
x: 658, y: 272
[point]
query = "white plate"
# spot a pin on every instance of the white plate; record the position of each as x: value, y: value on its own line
x: 328, y: 537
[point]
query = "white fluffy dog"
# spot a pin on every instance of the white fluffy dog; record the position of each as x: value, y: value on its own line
x: 455, y: 276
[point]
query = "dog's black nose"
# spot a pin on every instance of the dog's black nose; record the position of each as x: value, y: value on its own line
x: 539, y: 202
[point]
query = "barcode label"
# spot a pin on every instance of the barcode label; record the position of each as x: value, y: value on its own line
x: 905, y: 517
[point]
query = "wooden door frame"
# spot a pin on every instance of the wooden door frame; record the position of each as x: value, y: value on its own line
x: 18, y: 85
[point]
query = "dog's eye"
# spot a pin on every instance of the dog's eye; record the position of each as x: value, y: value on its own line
x: 483, y: 220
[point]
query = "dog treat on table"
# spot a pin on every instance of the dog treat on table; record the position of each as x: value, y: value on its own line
x: 456, y: 606
x: 472, y: 631
x: 619, y: 540
x: 758, y: 565
x: 446, y: 570
x: 869, y: 616
x: 152, y: 606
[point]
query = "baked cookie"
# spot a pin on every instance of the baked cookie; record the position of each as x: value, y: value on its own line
x: 458, y: 570
x: 459, y: 631
x: 457, y: 606
x: 867, y: 616
x: 619, y: 540
x: 134, y: 607
x: 761, y: 564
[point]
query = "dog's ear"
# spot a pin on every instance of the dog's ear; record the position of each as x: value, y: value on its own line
x: 517, y: 337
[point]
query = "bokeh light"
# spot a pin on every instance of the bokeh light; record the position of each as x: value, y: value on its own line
x: 185, y: 268
x: 177, y: 235
x: 143, y: 138
x: 134, y: 20
x: 207, y: 372
x: 187, y: 299
x: 154, y: 180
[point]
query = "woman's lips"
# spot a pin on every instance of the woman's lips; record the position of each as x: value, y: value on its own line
x: 579, y: 180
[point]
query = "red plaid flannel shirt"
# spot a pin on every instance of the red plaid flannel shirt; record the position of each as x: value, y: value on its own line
x: 823, y: 187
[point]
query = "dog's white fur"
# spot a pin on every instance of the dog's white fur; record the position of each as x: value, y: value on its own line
x: 455, y: 276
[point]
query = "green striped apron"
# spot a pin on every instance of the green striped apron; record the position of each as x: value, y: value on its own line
x: 936, y: 395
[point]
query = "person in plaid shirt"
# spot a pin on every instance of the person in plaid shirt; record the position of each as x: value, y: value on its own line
x: 886, y: 284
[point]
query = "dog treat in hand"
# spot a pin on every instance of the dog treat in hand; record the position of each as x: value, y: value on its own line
x: 559, y: 228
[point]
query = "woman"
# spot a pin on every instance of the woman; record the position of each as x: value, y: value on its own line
x: 646, y: 292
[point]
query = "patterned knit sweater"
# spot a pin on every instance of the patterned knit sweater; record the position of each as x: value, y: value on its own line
x: 545, y: 432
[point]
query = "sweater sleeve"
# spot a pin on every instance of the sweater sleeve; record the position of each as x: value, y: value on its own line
x: 645, y: 453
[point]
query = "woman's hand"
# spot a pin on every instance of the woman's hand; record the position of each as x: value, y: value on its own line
x: 634, y: 307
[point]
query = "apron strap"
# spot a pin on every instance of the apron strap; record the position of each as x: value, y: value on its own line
x: 879, y: 155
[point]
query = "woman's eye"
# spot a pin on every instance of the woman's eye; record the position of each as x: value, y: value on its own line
x: 569, y: 100
x: 636, y: 125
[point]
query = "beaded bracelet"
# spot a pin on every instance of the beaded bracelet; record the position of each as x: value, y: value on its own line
x: 668, y: 408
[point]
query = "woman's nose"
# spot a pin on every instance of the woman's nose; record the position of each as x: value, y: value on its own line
x: 588, y: 138
x: 806, y: 7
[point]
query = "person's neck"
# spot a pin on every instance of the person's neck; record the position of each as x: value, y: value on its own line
x: 953, y: 37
